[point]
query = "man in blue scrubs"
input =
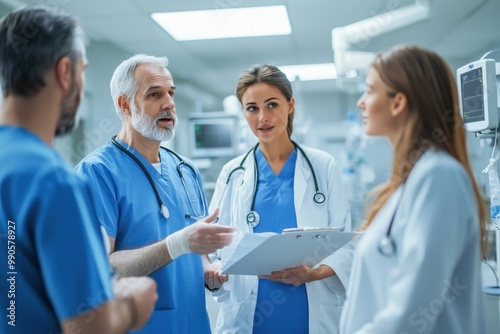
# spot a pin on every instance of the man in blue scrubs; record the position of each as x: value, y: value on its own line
x: 150, y: 200
x: 54, y: 273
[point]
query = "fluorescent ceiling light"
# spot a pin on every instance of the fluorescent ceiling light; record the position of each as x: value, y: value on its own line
x: 310, y: 72
x: 225, y: 23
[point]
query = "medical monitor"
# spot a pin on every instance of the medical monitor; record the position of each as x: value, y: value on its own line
x: 477, y: 94
x: 213, y: 135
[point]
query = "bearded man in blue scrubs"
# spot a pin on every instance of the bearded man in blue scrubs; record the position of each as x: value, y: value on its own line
x: 54, y: 272
x: 150, y: 200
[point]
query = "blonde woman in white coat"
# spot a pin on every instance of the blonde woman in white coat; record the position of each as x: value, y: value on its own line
x: 417, y: 267
x: 276, y: 181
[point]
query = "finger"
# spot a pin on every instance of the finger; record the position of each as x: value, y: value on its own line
x: 212, y: 217
x: 210, y: 282
x: 220, y: 229
x: 215, y: 244
x: 225, y: 239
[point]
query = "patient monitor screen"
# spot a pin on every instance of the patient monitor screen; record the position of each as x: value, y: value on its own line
x: 213, y: 135
x: 472, y: 95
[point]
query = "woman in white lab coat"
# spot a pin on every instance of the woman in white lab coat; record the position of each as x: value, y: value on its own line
x: 416, y: 269
x: 276, y: 182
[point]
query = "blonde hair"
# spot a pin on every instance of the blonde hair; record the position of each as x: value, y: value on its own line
x: 434, y: 120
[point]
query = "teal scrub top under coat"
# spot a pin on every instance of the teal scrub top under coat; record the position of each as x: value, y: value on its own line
x: 281, y: 307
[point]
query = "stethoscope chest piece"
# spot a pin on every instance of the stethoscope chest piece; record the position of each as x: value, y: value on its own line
x: 164, y: 211
x: 387, y: 246
x: 319, y: 198
x: 253, y: 219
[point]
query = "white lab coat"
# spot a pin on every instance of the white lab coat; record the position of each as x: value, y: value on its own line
x: 432, y: 284
x: 238, y: 296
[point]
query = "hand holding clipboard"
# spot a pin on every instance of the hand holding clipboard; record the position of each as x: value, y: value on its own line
x: 263, y: 253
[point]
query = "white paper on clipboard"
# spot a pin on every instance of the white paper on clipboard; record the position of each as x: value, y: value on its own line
x: 263, y: 253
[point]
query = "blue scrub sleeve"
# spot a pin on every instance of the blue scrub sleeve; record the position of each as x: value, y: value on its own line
x: 104, y: 201
x: 69, y: 245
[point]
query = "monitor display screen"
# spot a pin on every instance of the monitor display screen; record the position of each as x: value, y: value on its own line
x: 213, y: 136
x: 472, y: 95
x: 477, y: 95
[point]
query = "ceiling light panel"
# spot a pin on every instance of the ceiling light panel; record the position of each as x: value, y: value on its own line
x: 225, y: 23
x: 310, y: 72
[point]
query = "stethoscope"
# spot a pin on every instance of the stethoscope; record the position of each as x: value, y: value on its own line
x: 253, y: 217
x: 387, y: 245
x: 163, y: 208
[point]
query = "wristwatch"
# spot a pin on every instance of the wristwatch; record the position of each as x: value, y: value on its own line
x: 211, y: 290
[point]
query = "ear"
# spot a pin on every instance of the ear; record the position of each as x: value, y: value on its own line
x: 64, y: 72
x: 399, y: 104
x: 124, y: 104
x: 291, y: 106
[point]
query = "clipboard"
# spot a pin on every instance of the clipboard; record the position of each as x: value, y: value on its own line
x: 263, y: 253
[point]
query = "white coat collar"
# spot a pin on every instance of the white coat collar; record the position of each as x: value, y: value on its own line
x: 301, y: 180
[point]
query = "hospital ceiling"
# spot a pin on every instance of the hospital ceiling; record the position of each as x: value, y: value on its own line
x: 460, y: 30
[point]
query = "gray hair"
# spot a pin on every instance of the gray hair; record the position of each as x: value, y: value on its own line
x: 123, y: 81
x: 32, y: 40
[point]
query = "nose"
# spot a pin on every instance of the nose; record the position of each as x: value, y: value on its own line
x: 361, y: 102
x: 263, y: 116
x: 168, y: 104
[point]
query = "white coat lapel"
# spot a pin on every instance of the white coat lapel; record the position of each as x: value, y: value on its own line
x: 248, y: 181
x: 301, y: 179
x: 246, y: 189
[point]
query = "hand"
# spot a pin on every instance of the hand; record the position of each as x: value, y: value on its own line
x: 213, y: 277
x: 299, y: 275
x: 204, y: 238
x: 141, y: 292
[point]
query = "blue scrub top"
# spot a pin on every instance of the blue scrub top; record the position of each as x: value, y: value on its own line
x: 58, y: 266
x: 281, y: 308
x: 129, y: 211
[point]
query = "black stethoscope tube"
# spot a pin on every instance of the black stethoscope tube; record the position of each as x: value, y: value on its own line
x: 253, y: 217
x: 163, y: 208
x: 387, y: 245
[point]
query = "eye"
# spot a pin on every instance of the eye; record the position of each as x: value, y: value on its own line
x: 154, y: 94
x: 272, y: 105
x: 251, y: 108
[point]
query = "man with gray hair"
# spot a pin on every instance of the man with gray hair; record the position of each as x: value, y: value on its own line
x: 150, y: 199
x: 55, y: 276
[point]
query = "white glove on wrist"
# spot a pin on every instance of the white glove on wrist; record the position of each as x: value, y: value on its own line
x: 177, y: 244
